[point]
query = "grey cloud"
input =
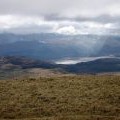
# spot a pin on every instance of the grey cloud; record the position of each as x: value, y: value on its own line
x: 61, y: 15
x: 63, y: 8
x: 102, y: 18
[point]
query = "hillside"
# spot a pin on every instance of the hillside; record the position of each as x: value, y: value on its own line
x: 61, y: 98
x: 23, y: 62
x: 21, y: 65
x: 96, y: 66
x: 15, y: 67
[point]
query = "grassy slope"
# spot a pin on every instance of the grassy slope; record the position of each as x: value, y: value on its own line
x: 61, y: 98
x: 28, y: 73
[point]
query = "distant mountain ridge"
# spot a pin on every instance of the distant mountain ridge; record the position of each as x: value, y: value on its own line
x: 23, y: 63
x: 96, y: 66
x: 55, y: 46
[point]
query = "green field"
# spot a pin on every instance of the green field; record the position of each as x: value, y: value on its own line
x: 61, y: 98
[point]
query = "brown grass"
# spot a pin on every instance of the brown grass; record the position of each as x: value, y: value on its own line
x: 61, y: 98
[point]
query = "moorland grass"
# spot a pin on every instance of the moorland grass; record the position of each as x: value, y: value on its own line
x: 85, y: 97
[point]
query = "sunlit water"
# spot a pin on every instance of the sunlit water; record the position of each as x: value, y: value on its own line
x: 80, y: 60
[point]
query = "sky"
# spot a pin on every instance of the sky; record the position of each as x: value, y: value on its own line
x: 60, y: 16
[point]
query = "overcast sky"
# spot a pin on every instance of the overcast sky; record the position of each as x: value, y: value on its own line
x: 60, y: 16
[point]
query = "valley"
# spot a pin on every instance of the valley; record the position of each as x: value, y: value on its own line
x: 59, y: 59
